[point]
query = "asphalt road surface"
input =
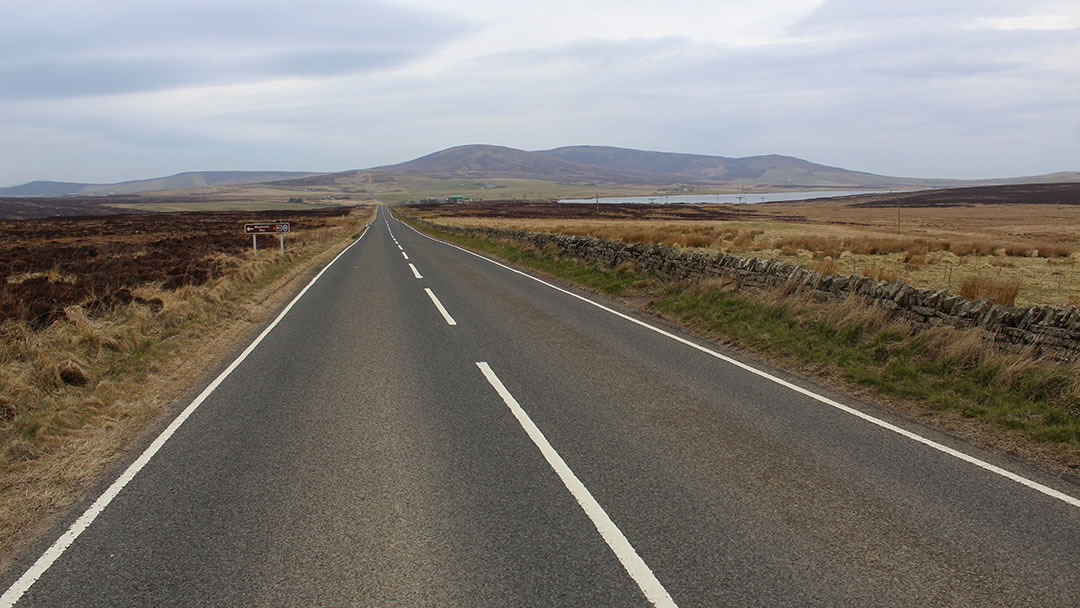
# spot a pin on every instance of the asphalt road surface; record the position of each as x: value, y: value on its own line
x: 427, y: 428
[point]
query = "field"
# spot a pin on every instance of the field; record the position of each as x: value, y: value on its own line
x: 105, y: 321
x: 947, y: 239
x: 50, y: 264
x: 220, y: 198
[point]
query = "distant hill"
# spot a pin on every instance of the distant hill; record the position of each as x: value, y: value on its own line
x: 483, y: 161
x: 587, y: 165
x: 610, y: 165
x: 180, y: 181
x: 43, y: 188
x: 701, y: 169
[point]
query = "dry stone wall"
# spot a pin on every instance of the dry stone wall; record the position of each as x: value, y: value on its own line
x: 1046, y: 329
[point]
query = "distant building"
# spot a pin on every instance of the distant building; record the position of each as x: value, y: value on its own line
x: 455, y: 199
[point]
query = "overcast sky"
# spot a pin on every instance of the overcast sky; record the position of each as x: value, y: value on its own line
x: 127, y: 89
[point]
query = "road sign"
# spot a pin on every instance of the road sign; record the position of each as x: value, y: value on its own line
x: 278, y: 228
x: 267, y: 228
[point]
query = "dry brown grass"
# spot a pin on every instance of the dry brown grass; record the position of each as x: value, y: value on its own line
x: 1001, y: 292
x: 880, y: 273
x: 828, y: 265
x: 54, y: 275
x: 74, y: 394
x: 853, y: 311
x: 914, y: 262
x: 880, y: 245
x: 972, y: 248
x: 964, y: 347
x: 1054, y: 251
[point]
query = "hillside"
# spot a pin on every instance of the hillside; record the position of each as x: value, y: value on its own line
x: 608, y: 165
x: 180, y: 181
x: 701, y: 169
x: 44, y: 188
x: 611, y: 165
x: 484, y: 161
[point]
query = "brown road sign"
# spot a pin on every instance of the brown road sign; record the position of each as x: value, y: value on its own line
x: 268, y: 228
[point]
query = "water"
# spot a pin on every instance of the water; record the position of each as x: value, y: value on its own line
x: 756, y: 197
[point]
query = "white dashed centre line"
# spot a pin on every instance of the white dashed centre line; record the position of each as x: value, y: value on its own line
x: 404, y: 255
x: 416, y: 273
x: 631, y: 561
x: 442, y: 310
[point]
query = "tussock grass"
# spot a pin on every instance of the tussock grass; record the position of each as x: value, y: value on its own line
x: 1001, y: 292
x: 75, y: 392
x: 880, y: 273
x: 829, y: 265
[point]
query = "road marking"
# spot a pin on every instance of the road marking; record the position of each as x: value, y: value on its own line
x: 631, y: 561
x: 399, y: 246
x: 449, y: 320
x: 19, y: 587
x: 394, y: 238
x: 416, y: 273
x: 982, y: 464
x: 404, y: 255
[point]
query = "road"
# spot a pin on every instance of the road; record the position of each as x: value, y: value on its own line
x: 424, y: 427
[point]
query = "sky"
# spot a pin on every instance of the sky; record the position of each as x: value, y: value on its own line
x: 127, y: 89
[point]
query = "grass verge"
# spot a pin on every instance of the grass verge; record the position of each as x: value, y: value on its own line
x: 943, y: 368
x: 76, y: 394
x: 949, y: 377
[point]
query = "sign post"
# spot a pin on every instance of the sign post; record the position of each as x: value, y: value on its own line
x: 278, y: 228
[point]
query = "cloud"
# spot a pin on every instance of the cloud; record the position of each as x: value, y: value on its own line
x: 877, y: 18
x: 57, y: 49
x: 948, y: 89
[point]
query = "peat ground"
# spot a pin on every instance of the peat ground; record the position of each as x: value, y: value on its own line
x: 49, y: 264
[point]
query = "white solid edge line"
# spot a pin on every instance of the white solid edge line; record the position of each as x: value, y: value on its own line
x: 416, y: 273
x: 635, y: 566
x: 19, y: 587
x: 1034, y: 485
x: 431, y: 294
